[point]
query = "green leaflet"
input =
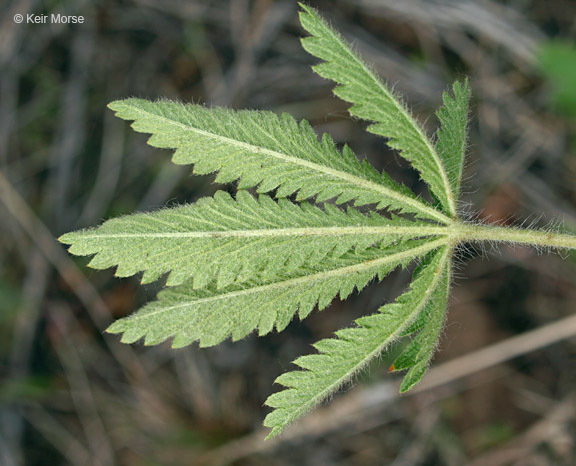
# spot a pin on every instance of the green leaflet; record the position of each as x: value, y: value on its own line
x: 231, y: 240
x: 212, y: 315
x: 373, y: 101
x: 418, y: 354
x: 340, y: 358
x: 269, y: 151
x: 453, y: 133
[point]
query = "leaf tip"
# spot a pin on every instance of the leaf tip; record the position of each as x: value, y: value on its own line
x: 116, y: 327
x: 404, y: 388
x: 115, y: 105
x: 306, y: 14
x: 66, y: 238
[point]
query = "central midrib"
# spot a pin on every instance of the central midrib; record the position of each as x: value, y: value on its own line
x: 373, y: 263
x: 419, y: 206
x: 415, y: 231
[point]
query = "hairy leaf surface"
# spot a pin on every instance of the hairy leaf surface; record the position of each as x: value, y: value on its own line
x: 453, y: 133
x: 372, y: 100
x: 231, y: 240
x: 339, y: 358
x: 211, y: 315
x: 417, y: 356
x: 269, y: 151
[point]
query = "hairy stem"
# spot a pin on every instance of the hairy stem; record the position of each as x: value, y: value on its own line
x: 464, y: 232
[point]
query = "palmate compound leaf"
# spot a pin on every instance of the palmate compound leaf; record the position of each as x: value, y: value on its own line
x: 211, y: 315
x: 248, y: 264
x: 269, y: 151
x: 340, y: 358
x: 372, y: 100
x: 225, y: 240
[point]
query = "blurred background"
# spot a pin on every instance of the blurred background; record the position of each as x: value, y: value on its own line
x: 503, y: 385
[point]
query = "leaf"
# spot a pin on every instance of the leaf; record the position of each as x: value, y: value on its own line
x: 230, y: 240
x: 211, y: 315
x: 271, y: 152
x: 453, y: 133
x: 340, y: 358
x: 373, y: 101
x: 417, y: 356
